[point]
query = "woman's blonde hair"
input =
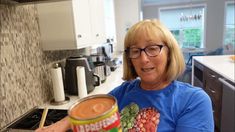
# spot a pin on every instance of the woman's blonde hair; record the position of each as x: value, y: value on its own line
x: 154, y: 29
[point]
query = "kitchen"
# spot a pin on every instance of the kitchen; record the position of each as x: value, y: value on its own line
x: 25, y: 79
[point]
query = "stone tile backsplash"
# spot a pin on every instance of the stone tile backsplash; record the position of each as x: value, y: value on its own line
x: 24, y: 67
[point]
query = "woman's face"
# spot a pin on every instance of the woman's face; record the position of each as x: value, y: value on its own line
x: 150, y: 69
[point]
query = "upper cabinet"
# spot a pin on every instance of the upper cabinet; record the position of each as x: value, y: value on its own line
x: 97, y: 12
x: 110, y: 25
x: 71, y: 24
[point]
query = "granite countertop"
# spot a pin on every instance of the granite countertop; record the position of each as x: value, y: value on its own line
x: 111, y: 82
x: 222, y: 64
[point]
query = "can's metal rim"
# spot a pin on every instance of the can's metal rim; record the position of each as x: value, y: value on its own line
x: 90, y: 97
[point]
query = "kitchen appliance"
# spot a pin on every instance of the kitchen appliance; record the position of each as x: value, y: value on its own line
x: 107, y: 70
x: 99, y: 65
x: 106, y: 50
x: 99, y: 69
x: 105, y: 54
x: 114, y: 63
x: 30, y: 121
x: 92, y: 79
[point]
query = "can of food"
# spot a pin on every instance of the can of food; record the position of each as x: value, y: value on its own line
x: 95, y: 113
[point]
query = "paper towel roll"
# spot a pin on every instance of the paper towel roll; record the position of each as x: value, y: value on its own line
x: 81, y: 81
x: 58, y: 86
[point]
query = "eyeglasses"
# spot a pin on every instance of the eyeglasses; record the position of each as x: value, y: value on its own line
x: 151, y: 50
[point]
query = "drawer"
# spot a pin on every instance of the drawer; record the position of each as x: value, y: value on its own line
x: 215, y: 92
x: 211, y: 78
x: 213, y: 88
x: 212, y: 85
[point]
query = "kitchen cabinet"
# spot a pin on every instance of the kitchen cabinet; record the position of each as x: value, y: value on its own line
x: 71, y: 24
x: 213, y: 87
x: 208, y: 73
x: 97, y: 21
x: 228, y: 106
x: 197, y: 78
x: 208, y: 80
x: 110, y: 26
x: 127, y: 13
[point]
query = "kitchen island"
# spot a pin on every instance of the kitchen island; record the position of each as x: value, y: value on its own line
x: 216, y: 75
x: 221, y: 64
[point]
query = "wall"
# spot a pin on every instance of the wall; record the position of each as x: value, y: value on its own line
x: 215, y: 23
x: 25, y: 77
x: 214, y: 19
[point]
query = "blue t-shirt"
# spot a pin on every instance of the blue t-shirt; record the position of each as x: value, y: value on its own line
x: 179, y: 107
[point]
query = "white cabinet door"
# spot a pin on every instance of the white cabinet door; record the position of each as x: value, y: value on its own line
x: 56, y: 25
x: 82, y: 22
x: 71, y: 24
x: 97, y: 21
x: 110, y: 27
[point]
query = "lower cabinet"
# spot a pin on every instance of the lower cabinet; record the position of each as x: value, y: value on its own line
x: 209, y: 81
x: 213, y: 87
x: 215, y: 74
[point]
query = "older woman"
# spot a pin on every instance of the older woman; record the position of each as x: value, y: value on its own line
x: 151, y: 99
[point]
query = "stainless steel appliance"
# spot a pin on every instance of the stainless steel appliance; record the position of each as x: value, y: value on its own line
x: 105, y: 53
x: 99, y: 66
x: 92, y: 79
x: 99, y: 69
x: 30, y: 121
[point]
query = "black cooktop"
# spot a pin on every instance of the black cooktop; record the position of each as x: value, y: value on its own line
x: 31, y: 120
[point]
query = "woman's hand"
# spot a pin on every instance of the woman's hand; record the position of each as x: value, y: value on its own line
x: 60, y: 126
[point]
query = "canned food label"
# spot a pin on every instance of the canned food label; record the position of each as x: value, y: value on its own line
x: 111, y: 124
x: 98, y: 113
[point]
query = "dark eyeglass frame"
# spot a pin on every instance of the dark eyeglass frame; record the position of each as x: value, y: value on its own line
x: 127, y: 50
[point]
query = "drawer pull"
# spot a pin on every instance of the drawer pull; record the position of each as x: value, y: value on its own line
x: 212, y: 91
x: 213, y: 76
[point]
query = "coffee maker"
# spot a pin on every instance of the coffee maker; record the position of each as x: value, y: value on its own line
x: 106, y: 50
x: 71, y: 86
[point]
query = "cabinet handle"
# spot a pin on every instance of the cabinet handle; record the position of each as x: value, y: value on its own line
x: 213, y: 76
x: 79, y: 35
x: 213, y: 91
x: 97, y: 35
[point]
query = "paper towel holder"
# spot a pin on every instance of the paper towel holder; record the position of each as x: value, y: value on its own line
x: 66, y: 99
x: 53, y: 102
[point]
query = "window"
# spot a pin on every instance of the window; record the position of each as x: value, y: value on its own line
x: 229, y: 25
x: 186, y: 24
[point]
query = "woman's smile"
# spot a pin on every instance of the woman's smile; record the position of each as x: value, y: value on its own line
x: 147, y: 69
